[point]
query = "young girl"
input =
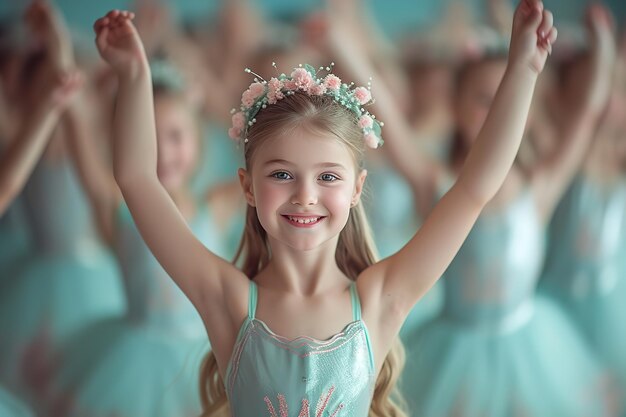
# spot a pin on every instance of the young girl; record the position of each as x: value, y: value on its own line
x: 67, y: 280
x: 585, y: 270
x: 307, y: 264
x: 159, y: 344
x: 496, y: 349
x: 17, y: 162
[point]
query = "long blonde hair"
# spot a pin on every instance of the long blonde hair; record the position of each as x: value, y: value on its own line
x: 355, y: 248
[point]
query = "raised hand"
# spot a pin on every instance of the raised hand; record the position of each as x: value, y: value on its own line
x: 119, y: 43
x: 49, y: 27
x: 532, y: 36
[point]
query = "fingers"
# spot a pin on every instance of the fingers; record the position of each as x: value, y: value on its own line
x: 112, y: 19
x: 552, y: 35
x: 102, y: 35
x: 544, y: 32
x: 99, y: 24
x: 546, y: 25
x: 528, y: 12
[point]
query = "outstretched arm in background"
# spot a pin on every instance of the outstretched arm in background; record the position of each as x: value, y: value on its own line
x: 50, y: 27
x: 421, y: 171
x: 20, y: 158
x: 576, y: 129
x: 410, y: 273
x: 53, y: 86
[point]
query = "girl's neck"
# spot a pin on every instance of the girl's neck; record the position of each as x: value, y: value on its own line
x: 302, y: 272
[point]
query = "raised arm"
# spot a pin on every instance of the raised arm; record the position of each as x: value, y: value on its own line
x: 50, y: 28
x: 198, y: 272
x: 95, y: 176
x: 47, y: 94
x: 412, y: 271
x: 420, y: 171
x: 22, y: 154
x: 584, y: 109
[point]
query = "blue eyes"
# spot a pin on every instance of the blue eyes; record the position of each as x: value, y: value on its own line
x: 328, y: 177
x: 284, y: 176
x: 281, y: 175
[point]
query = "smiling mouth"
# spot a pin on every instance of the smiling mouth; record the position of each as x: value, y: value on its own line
x: 304, y: 221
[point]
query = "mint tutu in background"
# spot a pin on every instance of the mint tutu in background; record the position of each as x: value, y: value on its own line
x: 147, y: 363
x: 68, y: 281
x: 497, y: 350
x: 585, y: 271
x: 14, y: 241
x: 11, y: 407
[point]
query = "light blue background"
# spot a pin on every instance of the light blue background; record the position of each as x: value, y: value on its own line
x: 394, y: 15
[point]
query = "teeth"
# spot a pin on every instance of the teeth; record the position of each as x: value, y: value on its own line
x: 303, y: 221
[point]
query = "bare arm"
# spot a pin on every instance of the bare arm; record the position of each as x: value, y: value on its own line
x: 420, y: 171
x: 408, y: 274
x: 20, y: 158
x: 577, y: 128
x: 368, y: 39
x: 53, y: 86
x: 50, y: 28
x: 96, y: 178
x: 199, y: 273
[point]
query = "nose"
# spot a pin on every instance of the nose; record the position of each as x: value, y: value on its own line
x: 305, y: 194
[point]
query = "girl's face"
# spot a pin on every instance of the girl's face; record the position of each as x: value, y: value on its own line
x: 475, y: 95
x: 303, y: 185
x: 177, y: 141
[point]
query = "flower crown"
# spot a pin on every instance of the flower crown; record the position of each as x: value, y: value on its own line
x: 305, y: 79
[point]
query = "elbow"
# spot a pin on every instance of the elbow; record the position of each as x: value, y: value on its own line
x: 127, y: 179
x: 122, y: 178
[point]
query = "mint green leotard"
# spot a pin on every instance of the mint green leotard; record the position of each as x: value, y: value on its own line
x: 269, y: 375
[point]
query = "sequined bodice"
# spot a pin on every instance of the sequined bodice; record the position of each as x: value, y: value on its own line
x: 492, y: 279
x: 57, y: 210
x: 153, y: 297
x: 588, y: 237
x: 272, y: 376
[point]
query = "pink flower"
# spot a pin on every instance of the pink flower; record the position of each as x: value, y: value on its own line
x: 257, y: 89
x: 371, y: 140
x: 246, y: 99
x: 239, y: 120
x: 363, y: 95
x: 253, y: 92
x: 317, y: 89
x: 234, y: 133
x: 274, y: 91
x: 290, y: 85
x: 332, y: 82
x: 302, y: 78
x: 366, y: 122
